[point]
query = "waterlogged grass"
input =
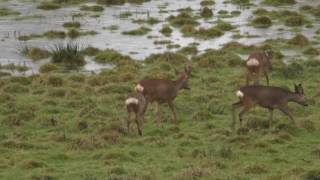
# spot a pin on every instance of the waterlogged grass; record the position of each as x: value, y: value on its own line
x: 56, y: 126
x: 8, y: 12
x: 137, y: 32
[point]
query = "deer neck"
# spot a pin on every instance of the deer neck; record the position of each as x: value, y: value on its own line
x: 178, y: 83
x: 293, y: 97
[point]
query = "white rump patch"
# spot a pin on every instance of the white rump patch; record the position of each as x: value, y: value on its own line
x: 139, y: 88
x: 253, y: 62
x: 240, y: 94
x: 132, y: 101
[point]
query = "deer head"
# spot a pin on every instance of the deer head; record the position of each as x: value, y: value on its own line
x: 183, y: 77
x: 301, y: 99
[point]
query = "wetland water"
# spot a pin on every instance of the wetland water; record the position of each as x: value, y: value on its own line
x: 36, y: 21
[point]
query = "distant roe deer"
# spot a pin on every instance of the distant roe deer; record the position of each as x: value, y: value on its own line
x: 136, y: 106
x: 267, y: 97
x: 258, y: 64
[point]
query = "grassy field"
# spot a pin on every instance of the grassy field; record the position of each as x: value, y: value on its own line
x: 72, y: 126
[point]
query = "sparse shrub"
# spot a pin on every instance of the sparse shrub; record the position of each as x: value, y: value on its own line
x: 166, y: 30
x: 207, y: 3
x: 91, y: 51
x: 81, y: 125
x: 216, y: 59
x: 262, y: 22
x: 77, y: 78
x: 55, y: 34
x: 8, y: 12
x: 21, y: 80
x: 73, y: 24
x: 49, y: 6
x: 279, y: 2
x: 35, y: 53
x: 225, y: 152
x: 256, y: 169
x: 69, y: 55
x: 312, y: 175
x: 311, y: 51
x: 308, y: 125
x: 224, y: 26
x: 299, y: 40
x: 49, y: 67
x: 297, y: 20
x: 15, y: 88
x: 206, y: 12
x: 182, y: 19
x: 31, y: 164
x: 293, y: 70
x: 95, y: 8
x: 55, y: 80
x: 57, y: 92
x: 137, y: 32
x: 201, y: 116
x: 73, y: 33
x: 111, y: 56
x: 174, y: 59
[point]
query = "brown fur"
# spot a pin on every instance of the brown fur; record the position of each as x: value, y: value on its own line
x: 136, y: 111
x: 164, y: 90
x: 270, y: 98
x: 264, y: 67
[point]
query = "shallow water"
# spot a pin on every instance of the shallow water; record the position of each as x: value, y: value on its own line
x: 136, y: 46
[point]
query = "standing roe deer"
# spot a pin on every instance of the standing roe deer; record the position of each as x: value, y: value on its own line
x: 267, y: 97
x: 258, y: 64
x: 136, y: 105
x: 164, y: 90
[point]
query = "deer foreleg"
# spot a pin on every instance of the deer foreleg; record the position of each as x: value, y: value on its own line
x: 267, y: 77
x: 173, y: 109
x: 234, y: 107
x: 248, y: 76
x: 158, y: 120
x: 129, y: 121
x: 287, y: 112
x: 244, y: 110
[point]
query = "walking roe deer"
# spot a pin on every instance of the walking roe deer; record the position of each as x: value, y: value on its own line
x: 136, y: 106
x: 164, y: 90
x: 258, y: 64
x: 267, y: 97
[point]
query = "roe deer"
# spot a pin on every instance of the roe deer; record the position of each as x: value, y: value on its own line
x: 267, y: 97
x: 258, y: 64
x: 164, y: 90
x: 136, y: 105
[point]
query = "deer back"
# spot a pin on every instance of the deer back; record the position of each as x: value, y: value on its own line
x: 158, y: 89
x: 266, y: 96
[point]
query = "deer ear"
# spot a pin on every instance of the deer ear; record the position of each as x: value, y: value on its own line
x: 188, y: 69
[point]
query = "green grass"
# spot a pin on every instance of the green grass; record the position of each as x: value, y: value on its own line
x: 70, y: 125
x: 8, y: 12
x: 137, y: 32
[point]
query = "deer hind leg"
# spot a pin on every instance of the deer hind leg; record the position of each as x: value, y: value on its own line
x: 287, y: 112
x: 173, y: 109
x: 267, y: 77
x: 159, y: 114
x: 139, y: 119
x: 129, y: 121
x: 270, y: 117
x: 234, y: 107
